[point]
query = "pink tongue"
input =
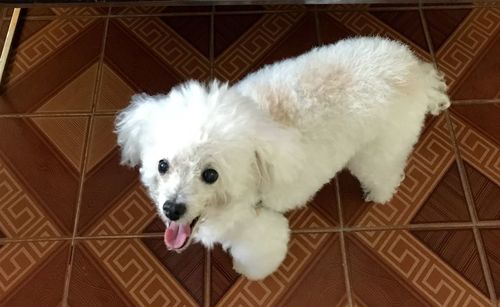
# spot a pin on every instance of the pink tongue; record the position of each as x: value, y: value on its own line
x: 176, y: 235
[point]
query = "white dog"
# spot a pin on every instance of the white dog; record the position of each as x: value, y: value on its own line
x: 223, y: 163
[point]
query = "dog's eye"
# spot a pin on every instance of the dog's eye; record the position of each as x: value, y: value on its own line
x: 210, y: 175
x: 163, y: 166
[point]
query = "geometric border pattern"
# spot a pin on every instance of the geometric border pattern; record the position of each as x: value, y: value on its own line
x: 235, y: 61
x: 302, y: 250
x: 128, y: 215
x: 20, y: 214
x: 477, y: 150
x: 364, y: 23
x: 467, y: 42
x: 169, y: 47
x: 139, y: 273
x: 423, y: 269
x: 40, y: 46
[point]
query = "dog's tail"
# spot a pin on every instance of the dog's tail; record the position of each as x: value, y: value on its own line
x: 437, y: 98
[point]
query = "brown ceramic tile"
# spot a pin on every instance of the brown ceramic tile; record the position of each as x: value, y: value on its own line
x: 491, y: 237
x: 134, y: 272
x: 188, y: 267
x: 113, y: 200
x: 466, y: 44
x: 446, y: 203
x: 152, y: 10
x: 4, y: 26
x: 32, y: 273
x: 229, y: 28
x: 442, y: 24
x: 451, y: 3
x: 407, y: 23
x: 151, y: 55
x: 392, y: 268
x: 458, y: 249
x: 194, y: 29
x: 54, y: 12
x: 430, y: 187
x: 254, y: 40
x: 311, y: 275
x: 39, y: 175
x: 477, y: 129
x: 239, y: 8
x: 400, y: 25
x: 486, y: 194
x: 64, y: 54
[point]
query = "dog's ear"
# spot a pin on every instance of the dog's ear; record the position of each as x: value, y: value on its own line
x: 129, y: 126
x: 278, y: 156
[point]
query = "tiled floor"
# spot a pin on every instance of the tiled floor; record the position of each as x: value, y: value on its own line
x: 76, y: 229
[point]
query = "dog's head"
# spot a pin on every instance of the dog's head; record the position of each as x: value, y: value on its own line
x: 204, y: 154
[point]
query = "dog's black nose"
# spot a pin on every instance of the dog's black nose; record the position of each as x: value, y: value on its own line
x: 173, y: 210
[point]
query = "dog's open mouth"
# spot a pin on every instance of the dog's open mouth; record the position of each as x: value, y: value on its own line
x: 178, y: 236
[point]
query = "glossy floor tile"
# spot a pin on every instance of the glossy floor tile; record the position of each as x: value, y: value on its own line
x: 78, y: 229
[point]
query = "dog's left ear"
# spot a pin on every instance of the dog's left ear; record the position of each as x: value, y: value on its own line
x: 278, y: 156
x: 129, y: 126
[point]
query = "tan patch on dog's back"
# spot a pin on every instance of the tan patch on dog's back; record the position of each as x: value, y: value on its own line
x: 281, y: 105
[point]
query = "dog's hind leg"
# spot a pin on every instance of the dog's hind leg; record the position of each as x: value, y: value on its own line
x: 380, y: 165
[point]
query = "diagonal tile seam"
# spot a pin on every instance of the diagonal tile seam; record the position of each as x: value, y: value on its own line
x: 463, y: 179
x: 86, y: 150
x: 343, y: 253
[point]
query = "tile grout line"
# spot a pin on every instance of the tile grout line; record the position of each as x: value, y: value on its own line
x: 207, y: 272
x: 473, y: 214
x: 463, y: 179
x: 343, y: 252
x: 112, y: 113
x: 99, y: 73
x: 319, y: 41
x: 494, y: 224
x: 83, y: 167
x: 250, y: 12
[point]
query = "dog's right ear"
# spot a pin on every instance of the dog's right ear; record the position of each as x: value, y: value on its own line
x: 129, y: 126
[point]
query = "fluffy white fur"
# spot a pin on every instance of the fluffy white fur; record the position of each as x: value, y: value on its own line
x: 277, y: 137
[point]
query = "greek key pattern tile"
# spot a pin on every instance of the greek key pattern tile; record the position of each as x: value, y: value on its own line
x: 143, y: 279
x: 364, y: 23
x: 239, y: 58
x: 301, y: 251
x: 467, y: 42
x: 478, y: 150
x: 169, y: 46
x: 131, y: 214
x: 306, y: 218
x: 425, y: 271
x: 20, y: 216
x: 44, y: 43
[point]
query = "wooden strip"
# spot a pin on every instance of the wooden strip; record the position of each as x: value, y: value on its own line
x: 8, y: 41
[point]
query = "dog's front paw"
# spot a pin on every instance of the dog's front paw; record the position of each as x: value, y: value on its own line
x: 256, y: 271
x: 261, y: 246
x: 378, y: 198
